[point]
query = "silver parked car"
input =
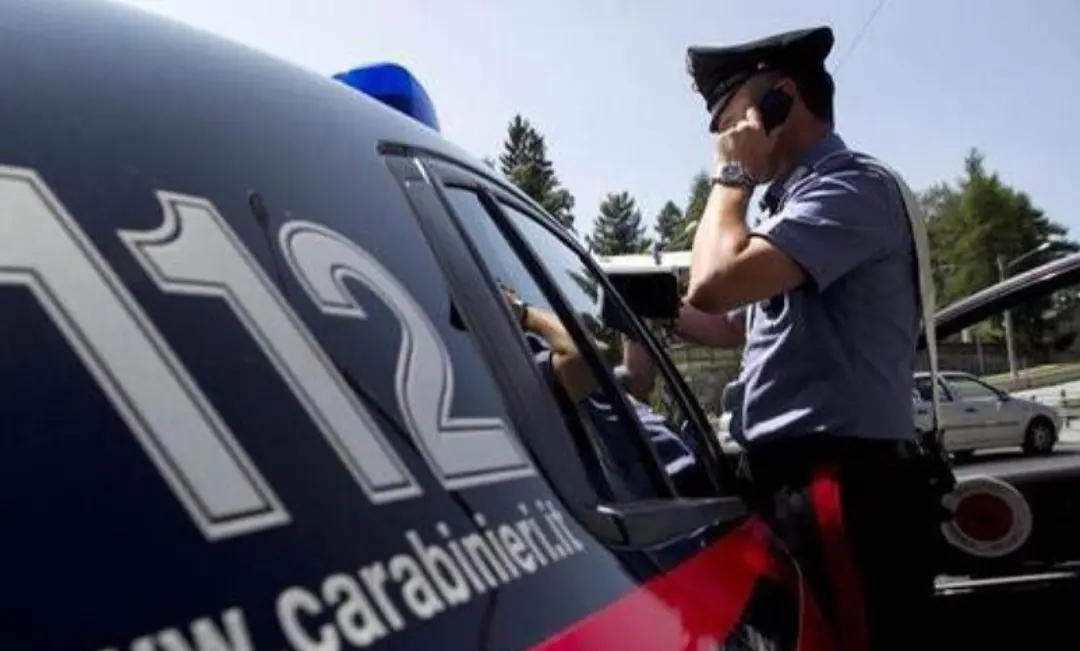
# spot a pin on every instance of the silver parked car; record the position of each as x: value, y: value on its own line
x: 978, y: 416
x: 974, y: 414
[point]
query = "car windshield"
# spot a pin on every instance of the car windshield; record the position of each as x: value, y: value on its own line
x: 968, y: 388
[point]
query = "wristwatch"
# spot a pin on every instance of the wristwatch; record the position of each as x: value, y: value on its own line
x: 733, y: 175
x: 520, y: 310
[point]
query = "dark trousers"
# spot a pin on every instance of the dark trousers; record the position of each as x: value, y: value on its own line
x: 861, y: 519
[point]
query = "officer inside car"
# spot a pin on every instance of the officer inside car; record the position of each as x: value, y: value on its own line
x: 565, y: 369
x: 823, y: 294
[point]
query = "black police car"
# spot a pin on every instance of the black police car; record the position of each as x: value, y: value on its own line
x: 262, y: 391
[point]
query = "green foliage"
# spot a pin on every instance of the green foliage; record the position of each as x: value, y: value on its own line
x: 978, y: 220
x: 669, y: 228
x: 672, y: 237
x: 700, y: 188
x: 524, y: 162
x: 618, y: 229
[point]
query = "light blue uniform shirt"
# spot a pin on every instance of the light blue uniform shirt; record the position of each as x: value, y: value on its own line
x: 835, y: 355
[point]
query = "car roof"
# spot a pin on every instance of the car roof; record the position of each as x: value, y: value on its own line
x: 926, y: 374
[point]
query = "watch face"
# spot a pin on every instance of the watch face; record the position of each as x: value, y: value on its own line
x: 733, y: 172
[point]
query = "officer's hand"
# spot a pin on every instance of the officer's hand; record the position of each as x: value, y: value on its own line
x: 747, y: 143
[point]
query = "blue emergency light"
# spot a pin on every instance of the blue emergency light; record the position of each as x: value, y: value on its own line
x: 394, y: 86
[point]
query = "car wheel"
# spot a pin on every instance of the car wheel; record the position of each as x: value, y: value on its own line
x: 1040, y: 436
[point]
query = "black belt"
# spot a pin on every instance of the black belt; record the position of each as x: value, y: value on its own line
x: 790, y: 459
x: 824, y: 446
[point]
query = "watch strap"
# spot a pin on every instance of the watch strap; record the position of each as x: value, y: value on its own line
x: 733, y: 175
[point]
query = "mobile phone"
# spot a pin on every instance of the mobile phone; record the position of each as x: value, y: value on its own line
x: 775, y: 106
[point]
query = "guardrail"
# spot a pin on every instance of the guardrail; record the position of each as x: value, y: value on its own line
x: 1037, y: 379
x: 1068, y: 405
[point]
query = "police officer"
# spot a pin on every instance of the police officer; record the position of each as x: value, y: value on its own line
x: 823, y: 292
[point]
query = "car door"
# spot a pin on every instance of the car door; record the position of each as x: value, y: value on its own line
x: 955, y: 435
x: 984, y: 414
x: 640, y: 481
x: 964, y: 422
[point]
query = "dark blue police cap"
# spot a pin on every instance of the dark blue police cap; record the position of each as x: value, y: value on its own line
x: 717, y: 71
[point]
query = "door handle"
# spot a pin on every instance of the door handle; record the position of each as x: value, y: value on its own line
x: 970, y: 410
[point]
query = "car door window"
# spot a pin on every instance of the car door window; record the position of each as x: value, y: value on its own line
x: 970, y: 389
x: 924, y: 393
x: 595, y: 413
x: 648, y: 389
x: 923, y: 389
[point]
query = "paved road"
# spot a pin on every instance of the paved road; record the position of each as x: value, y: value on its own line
x: 1008, y: 461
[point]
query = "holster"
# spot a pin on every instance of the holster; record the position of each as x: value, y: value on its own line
x: 935, y: 465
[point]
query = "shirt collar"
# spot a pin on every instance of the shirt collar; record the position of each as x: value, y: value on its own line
x: 830, y: 143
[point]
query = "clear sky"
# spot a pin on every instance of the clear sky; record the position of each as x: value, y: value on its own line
x: 606, y: 83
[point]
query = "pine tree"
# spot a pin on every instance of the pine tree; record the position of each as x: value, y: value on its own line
x: 669, y: 228
x: 618, y: 229
x: 974, y: 222
x: 700, y: 188
x: 524, y: 162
